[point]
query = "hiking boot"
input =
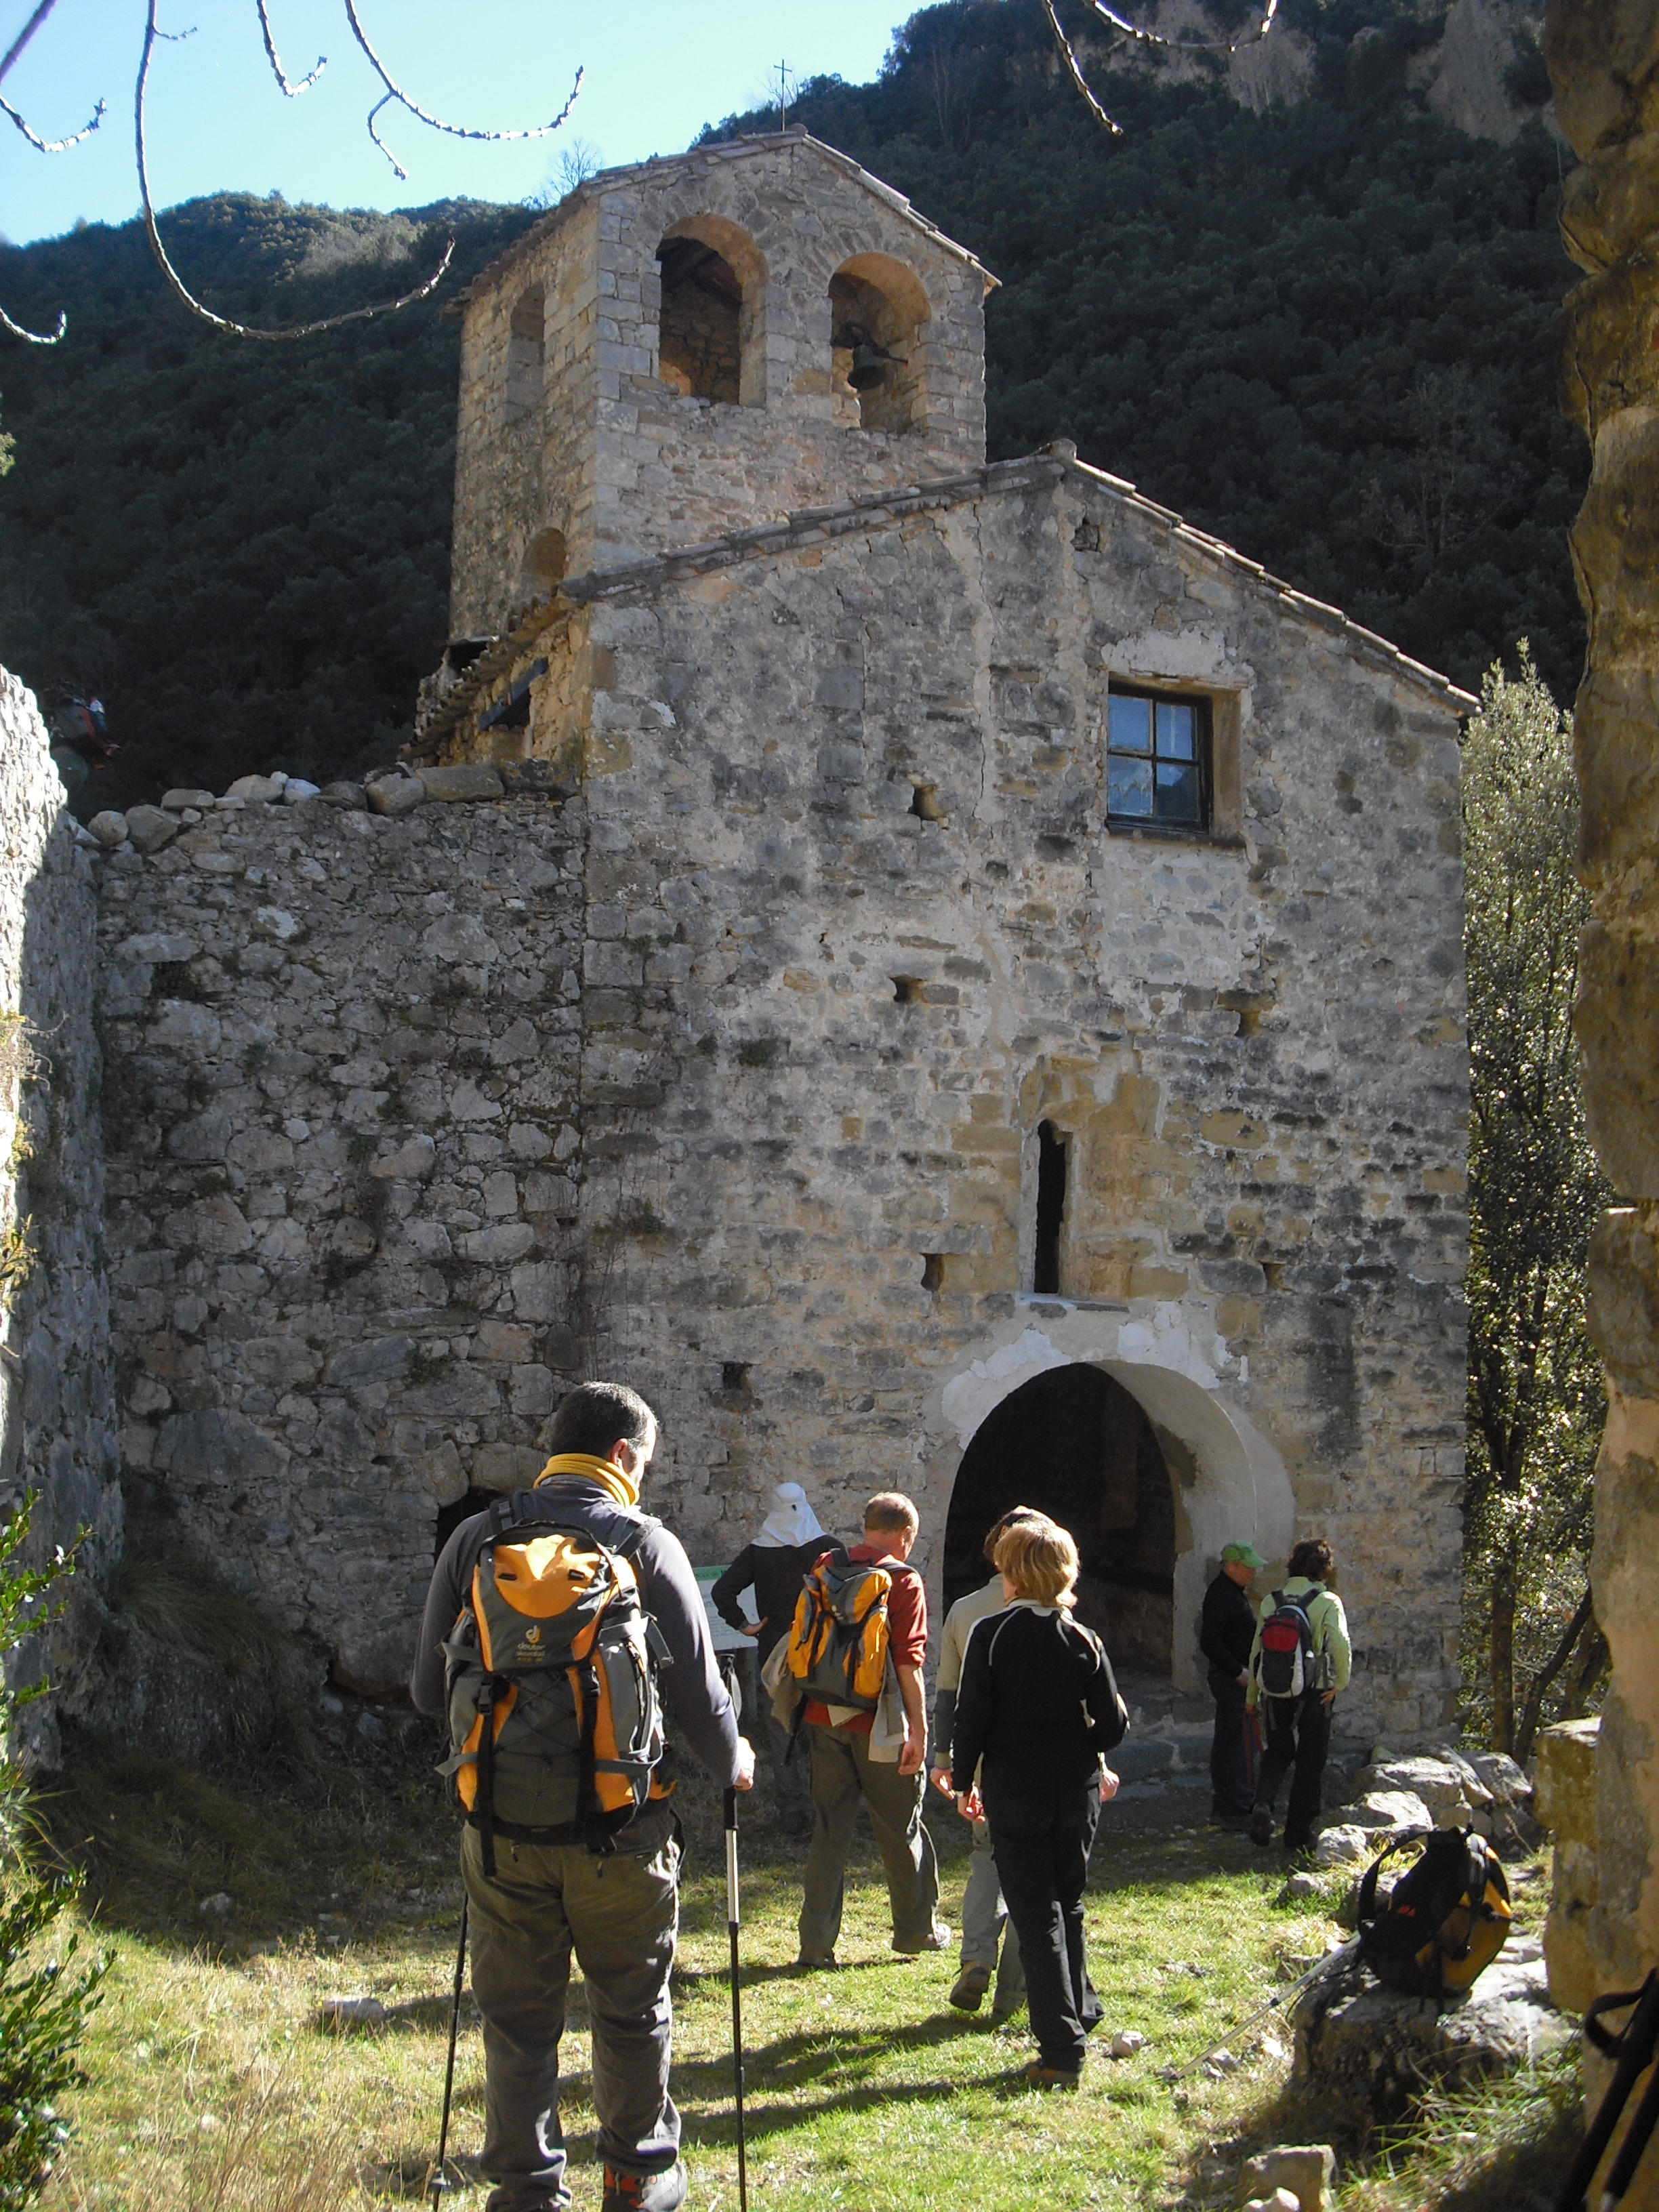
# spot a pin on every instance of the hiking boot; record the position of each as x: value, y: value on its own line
x: 967, y: 1990
x: 1261, y: 1824
x: 1001, y: 2011
x: 645, y: 2192
x: 1053, y: 2077
x: 807, y: 1964
x: 939, y: 1940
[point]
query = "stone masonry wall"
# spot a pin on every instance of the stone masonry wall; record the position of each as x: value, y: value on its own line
x: 56, y: 1409
x: 855, y: 924
x: 341, y: 1055
x: 621, y: 463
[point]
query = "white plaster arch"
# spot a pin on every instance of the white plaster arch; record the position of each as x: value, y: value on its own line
x: 1240, y: 1490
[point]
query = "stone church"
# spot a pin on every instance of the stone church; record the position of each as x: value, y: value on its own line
x: 941, y: 973
x: 1021, y: 1046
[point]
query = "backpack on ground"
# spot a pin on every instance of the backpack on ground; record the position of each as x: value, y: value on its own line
x: 838, y: 1640
x: 1286, y: 1666
x: 551, y: 1685
x: 1444, y: 1918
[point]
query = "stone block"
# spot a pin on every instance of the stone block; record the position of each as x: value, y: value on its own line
x: 506, y: 1466
x: 1616, y: 1016
x: 1445, y: 1789
x: 1564, y: 1780
x: 109, y: 829
x: 469, y: 780
x: 412, y: 1162
x: 1368, y: 2057
x: 177, y: 799
x: 1384, y: 1813
x: 382, y: 1359
x: 349, y: 798
x: 150, y: 827
x: 1306, y: 2172
x: 395, y: 795
x: 269, y: 788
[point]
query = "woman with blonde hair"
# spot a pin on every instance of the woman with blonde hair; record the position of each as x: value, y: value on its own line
x: 1036, y: 1710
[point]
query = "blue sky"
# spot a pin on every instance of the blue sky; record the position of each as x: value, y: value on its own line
x: 656, y: 71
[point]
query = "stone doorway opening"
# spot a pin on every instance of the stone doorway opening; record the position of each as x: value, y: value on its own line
x: 1078, y: 1446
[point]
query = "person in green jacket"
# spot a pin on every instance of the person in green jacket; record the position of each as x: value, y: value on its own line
x: 1297, y: 1729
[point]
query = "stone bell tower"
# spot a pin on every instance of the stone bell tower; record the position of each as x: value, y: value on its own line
x: 701, y: 344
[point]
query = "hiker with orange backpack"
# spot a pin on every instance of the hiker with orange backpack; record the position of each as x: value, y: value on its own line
x: 556, y: 1624
x: 854, y: 1657
x: 1300, y: 1659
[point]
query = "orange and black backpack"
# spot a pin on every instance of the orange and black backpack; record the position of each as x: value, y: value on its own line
x: 838, y: 1640
x: 1444, y: 1919
x: 551, y: 1675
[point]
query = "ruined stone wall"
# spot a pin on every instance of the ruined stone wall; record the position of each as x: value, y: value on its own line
x: 341, y: 1056
x: 1604, y: 61
x: 822, y: 1020
x: 621, y: 463
x: 56, y: 1409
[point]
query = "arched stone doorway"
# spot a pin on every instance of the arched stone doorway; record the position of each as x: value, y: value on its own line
x: 1076, y: 1446
x: 1227, y: 1478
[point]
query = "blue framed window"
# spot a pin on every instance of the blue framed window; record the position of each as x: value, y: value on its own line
x: 1157, y: 760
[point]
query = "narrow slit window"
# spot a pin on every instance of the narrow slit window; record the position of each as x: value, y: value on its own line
x: 1157, y: 760
x: 1050, y: 1207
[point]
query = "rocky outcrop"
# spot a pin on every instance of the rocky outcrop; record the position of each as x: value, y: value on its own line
x: 1603, y: 57
x: 1367, y: 2056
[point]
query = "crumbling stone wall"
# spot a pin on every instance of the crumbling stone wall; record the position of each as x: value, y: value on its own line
x: 855, y: 923
x: 56, y: 1409
x: 342, y: 1065
x: 1604, y: 61
x: 623, y: 465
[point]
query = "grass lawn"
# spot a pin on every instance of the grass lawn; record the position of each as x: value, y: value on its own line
x: 213, y: 2086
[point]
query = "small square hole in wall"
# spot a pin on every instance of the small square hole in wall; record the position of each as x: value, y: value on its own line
x: 734, y: 1374
x: 909, y: 990
x: 933, y: 1271
x: 926, y: 804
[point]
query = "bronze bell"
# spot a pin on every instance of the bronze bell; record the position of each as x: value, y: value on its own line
x: 869, y: 367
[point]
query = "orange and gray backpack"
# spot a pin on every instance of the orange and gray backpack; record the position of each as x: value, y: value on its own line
x: 554, y: 1717
x: 838, y: 1639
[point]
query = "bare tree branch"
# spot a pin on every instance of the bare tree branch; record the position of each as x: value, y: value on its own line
x: 1187, y: 45
x: 398, y: 168
x: 35, y: 338
x: 455, y: 129
x: 293, y: 91
x: 25, y: 35
x: 1128, y: 30
x: 52, y: 145
x: 176, y: 282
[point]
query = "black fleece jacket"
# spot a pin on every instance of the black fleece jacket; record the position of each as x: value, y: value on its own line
x: 1038, y: 1702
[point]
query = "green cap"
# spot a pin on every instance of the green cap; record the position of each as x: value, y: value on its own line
x: 1241, y: 1555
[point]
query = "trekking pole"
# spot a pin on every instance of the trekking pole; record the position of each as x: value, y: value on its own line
x: 733, y: 1922
x: 1633, y: 2047
x: 437, y: 2182
x: 1287, y: 1995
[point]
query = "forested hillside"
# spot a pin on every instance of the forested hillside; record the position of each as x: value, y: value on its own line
x: 1323, y: 331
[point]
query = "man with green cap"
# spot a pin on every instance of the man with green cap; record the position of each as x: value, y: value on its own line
x: 1225, y: 1635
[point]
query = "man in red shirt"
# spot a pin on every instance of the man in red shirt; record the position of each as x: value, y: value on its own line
x: 845, y: 1774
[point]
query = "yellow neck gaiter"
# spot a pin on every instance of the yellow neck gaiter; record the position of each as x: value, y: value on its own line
x: 617, y: 1485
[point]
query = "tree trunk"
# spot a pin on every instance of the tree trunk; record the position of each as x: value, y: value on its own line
x: 1533, y: 1705
x: 1502, y: 1640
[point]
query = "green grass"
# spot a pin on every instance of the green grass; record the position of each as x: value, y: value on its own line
x: 214, y: 2086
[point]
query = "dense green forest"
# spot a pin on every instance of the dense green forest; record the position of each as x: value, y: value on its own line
x: 1324, y: 332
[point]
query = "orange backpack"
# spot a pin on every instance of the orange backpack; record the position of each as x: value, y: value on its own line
x: 838, y: 1640
x: 555, y: 1716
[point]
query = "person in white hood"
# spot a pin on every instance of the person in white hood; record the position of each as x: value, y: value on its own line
x: 791, y: 1541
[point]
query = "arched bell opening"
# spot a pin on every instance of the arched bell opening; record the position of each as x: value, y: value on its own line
x: 878, y: 311
x: 1076, y: 1445
x: 708, y: 344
